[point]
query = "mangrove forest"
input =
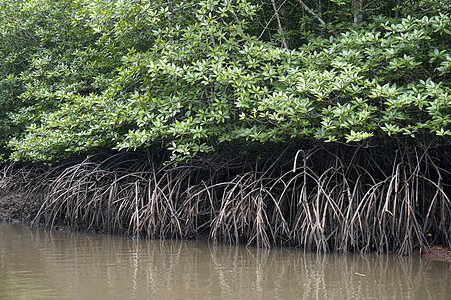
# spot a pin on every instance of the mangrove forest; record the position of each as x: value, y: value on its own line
x: 320, y: 124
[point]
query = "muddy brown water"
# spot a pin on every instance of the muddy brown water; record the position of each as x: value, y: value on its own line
x: 43, y: 264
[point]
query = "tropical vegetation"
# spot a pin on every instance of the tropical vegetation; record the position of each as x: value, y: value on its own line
x: 323, y: 123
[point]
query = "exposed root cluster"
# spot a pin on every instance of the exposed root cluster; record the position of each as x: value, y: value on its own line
x: 343, y: 200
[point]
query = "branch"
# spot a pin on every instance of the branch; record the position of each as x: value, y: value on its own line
x: 276, y: 13
x: 311, y: 12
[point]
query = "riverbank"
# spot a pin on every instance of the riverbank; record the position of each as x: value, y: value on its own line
x: 349, y: 201
x: 17, y: 207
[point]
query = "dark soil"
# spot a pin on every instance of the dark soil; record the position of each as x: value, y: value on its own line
x: 16, y: 207
x: 436, y: 253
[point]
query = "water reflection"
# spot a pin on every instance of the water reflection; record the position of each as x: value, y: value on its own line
x: 38, y: 264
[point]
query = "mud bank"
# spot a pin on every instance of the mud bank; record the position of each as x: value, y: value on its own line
x: 436, y: 253
x: 16, y: 207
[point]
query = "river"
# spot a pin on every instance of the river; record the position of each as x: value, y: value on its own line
x: 43, y: 264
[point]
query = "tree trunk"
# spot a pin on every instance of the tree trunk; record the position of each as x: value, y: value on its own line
x: 357, y: 8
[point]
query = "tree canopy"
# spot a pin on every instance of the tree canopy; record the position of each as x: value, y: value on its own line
x: 79, y: 76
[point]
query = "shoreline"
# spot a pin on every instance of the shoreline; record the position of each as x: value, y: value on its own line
x: 17, y: 208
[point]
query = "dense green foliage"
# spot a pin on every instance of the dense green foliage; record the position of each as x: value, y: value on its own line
x: 79, y: 76
x: 325, y: 123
